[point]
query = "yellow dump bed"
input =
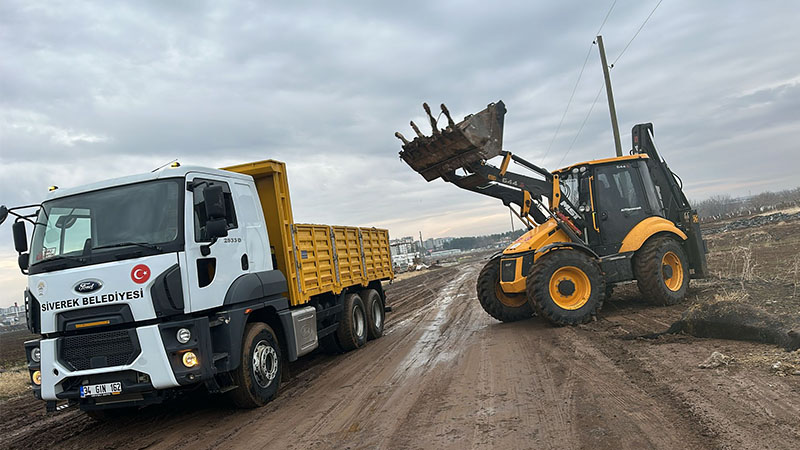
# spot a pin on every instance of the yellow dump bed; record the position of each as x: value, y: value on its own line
x: 316, y: 259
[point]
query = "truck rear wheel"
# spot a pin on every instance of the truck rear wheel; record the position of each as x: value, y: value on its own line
x: 662, y: 271
x: 373, y: 306
x: 566, y: 286
x: 352, y: 331
x: 259, y: 373
x: 501, y: 306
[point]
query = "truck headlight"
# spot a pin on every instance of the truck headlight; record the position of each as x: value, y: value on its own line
x: 36, y: 355
x: 184, y: 335
x: 190, y: 359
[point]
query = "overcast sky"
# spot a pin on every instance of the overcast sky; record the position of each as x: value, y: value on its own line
x: 90, y: 91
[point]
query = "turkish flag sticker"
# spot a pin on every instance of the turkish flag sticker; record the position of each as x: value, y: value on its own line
x: 140, y: 274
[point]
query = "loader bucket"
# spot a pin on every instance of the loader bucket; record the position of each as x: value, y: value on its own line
x: 476, y: 138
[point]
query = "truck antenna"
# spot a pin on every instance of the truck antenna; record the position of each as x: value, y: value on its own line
x: 164, y: 165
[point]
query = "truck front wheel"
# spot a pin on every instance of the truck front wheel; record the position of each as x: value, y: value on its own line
x: 259, y: 374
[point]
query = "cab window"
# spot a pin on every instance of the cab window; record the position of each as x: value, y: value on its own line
x: 617, y: 188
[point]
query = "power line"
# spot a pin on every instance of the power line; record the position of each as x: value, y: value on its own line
x: 591, y: 108
x: 637, y: 32
x: 575, y: 88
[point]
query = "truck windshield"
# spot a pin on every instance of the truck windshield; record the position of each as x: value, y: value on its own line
x: 107, y: 224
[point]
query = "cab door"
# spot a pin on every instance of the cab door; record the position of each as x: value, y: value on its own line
x: 210, y: 275
x: 619, y: 202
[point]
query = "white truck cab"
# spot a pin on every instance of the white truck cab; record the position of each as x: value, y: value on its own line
x: 145, y: 284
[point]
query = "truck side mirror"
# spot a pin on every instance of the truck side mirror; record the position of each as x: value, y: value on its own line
x: 217, y: 228
x: 20, y: 237
x: 22, y: 261
x: 215, y: 202
x: 3, y: 213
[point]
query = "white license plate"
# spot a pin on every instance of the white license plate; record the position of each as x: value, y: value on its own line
x: 101, y: 390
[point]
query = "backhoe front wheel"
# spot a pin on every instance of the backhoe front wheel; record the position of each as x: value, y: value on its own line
x: 566, y: 287
x: 662, y: 271
x: 503, y: 307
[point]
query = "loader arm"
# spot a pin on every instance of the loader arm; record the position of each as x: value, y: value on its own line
x: 459, y: 153
x: 509, y: 187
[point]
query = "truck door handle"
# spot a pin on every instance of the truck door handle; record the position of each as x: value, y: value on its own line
x: 245, y: 263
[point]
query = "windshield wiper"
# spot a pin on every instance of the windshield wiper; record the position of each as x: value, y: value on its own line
x: 60, y: 258
x: 128, y: 244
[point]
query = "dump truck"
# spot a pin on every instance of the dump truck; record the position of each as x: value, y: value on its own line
x: 591, y: 225
x: 151, y: 285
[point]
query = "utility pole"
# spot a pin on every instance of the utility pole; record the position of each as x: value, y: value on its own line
x: 611, y: 109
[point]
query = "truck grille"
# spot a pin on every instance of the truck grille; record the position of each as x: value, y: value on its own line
x: 96, y: 350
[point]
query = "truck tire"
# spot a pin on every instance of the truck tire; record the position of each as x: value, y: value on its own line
x: 352, y: 331
x: 662, y: 271
x: 259, y: 374
x: 566, y: 287
x: 373, y: 307
x: 501, y: 306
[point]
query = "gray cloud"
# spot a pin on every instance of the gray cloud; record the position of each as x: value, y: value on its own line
x: 96, y: 90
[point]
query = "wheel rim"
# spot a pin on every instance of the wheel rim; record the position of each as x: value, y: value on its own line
x: 510, y: 300
x: 675, y: 279
x: 265, y: 363
x: 358, y: 321
x: 377, y: 313
x: 570, y: 287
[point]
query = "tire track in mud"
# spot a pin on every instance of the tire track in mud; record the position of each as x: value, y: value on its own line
x: 446, y: 375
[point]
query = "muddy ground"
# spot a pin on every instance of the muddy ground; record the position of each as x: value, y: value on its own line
x: 446, y: 375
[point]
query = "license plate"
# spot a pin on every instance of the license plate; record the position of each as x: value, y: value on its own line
x: 101, y: 390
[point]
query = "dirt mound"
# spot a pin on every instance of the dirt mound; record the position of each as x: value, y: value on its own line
x: 737, y: 321
x: 752, y: 221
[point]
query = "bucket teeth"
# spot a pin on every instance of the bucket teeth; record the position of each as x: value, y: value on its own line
x: 416, y: 130
x: 398, y: 135
x: 431, y: 118
x: 477, y: 138
x: 450, y: 122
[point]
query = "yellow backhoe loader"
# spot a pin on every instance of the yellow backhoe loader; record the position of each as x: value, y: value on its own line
x: 590, y: 225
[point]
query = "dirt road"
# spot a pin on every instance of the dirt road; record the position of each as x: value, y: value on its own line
x: 446, y: 375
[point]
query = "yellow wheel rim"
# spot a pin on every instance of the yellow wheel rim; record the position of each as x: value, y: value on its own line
x: 510, y: 300
x: 570, y: 287
x: 675, y: 279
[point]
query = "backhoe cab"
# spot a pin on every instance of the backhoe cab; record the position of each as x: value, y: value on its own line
x: 591, y: 224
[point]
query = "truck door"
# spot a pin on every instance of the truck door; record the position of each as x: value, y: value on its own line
x: 209, y: 276
x: 620, y: 203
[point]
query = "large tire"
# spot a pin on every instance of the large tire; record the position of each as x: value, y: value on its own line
x: 352, y: 331
x: 566, y: 287
x: 373, y: 307
x: 662, y: 271
x: 258, y: 376
x: 501, y: 306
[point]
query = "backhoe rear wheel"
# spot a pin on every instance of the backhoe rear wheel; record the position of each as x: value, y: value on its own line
x: 503, y: 307
x: 566, y: 287
x: 662, y: 271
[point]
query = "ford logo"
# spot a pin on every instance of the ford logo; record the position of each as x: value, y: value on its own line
x: 87, y: 286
